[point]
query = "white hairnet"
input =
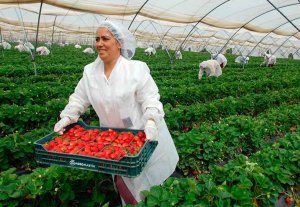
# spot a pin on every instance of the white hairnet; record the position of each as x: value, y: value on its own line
x: 123, y: 35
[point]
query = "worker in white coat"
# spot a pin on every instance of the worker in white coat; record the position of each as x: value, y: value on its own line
x: 150, y: 51
x: 124, y: 95
x: 242, y: 60
x: 42, y: 50
x: 220, y: 58
x: 178, y: 55
x: 5, y: 45
x: 22, y: 48
x: 29, y: 45
x: 210, y: 67
x: 89, y: 50
x: 269, y: 60
x: 77, y: 46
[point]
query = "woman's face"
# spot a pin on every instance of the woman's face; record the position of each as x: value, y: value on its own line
x: 107, y: 46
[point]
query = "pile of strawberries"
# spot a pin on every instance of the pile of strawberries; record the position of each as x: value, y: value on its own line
x: 108, y: 144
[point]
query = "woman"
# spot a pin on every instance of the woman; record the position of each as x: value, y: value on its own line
x: 124, y: 95
x: 222, y: 60
x: 210, y: 67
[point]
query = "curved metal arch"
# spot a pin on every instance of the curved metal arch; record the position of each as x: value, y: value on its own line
x: 139, y: 25
x: 283, y: 15
x: 160, y: 39
x: 137, y: 13
x: 37, y: 30
x: 268, y: 34
x: 251, y: 21
x: 200, y: 21
x: 168, y: 32
x: 242, y: 46
x: 26, y: 39
x: 283, y: 43
x: 208, y: 39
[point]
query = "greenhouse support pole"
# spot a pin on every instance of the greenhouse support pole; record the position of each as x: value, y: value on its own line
x: 137, y: 14
x: 251, y: 21
x: 2, y: 48
x: 283, y: 43
x: 52, y: 34
x: 37, y: 30
x: 268, y: 34
x: 53, y: 30
x: 160, y: 39
x: 199, y: 22
x: 284, y: 15
x: 26, y: 39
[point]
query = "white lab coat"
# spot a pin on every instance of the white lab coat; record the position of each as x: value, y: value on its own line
x: 5, y: 45
x: 269, y: 59
x: 22, y: 48
x: 241, y: 60
x: 178, y: 55
x: 89, y: 50
x: 210, y: 67
x: 29, y: 45
x: 221, y: 59
x: 121, y: 101
x: 77, y: 46
x: 150, y: 51
x: 43, y: 50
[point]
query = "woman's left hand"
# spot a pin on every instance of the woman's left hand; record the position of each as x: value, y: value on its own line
x: 151, y: 130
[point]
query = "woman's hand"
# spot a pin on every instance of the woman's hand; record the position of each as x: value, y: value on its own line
x: 61, y: 124
x: 151, y: 130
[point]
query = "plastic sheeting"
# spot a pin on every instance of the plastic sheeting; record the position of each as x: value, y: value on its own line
x: 243, y: 26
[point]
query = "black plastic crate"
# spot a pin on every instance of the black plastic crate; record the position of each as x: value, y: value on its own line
x: 129, y: 166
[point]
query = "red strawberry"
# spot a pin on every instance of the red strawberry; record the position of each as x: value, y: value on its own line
x: 288, y: 200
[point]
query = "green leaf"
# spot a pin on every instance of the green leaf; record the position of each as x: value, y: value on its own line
x: 152, y: 201
x: 190, y: 197
x: 239, y: 193
x: 165, y: 196
x: 67, y: 193
x: 156, y: 191
x: 16, y: 194
x: 3, y: 196
x: 106, y: 205
x: 245, y: 182
x: 10, y: 188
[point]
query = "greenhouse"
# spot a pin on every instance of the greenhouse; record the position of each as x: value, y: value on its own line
x: 189, y: 103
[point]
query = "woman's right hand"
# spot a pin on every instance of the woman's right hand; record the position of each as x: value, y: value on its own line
x: 61, y: 124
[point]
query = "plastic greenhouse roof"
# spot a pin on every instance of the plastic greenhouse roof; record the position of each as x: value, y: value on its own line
x: 248, y: 27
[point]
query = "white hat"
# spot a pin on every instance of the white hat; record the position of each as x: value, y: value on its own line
x: 124, y: 37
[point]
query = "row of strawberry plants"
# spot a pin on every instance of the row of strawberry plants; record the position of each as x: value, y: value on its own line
x: 217, y: 90
x: 16, y: 150
x: 258, y: 180
x: 182, y: 116
x: 11, y: 83
x: 40, y: 92
x: 230, y: 75
x: 222, y: 141
x: 56, y: 186
x: 14, y: 117
x: 17, y: 64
